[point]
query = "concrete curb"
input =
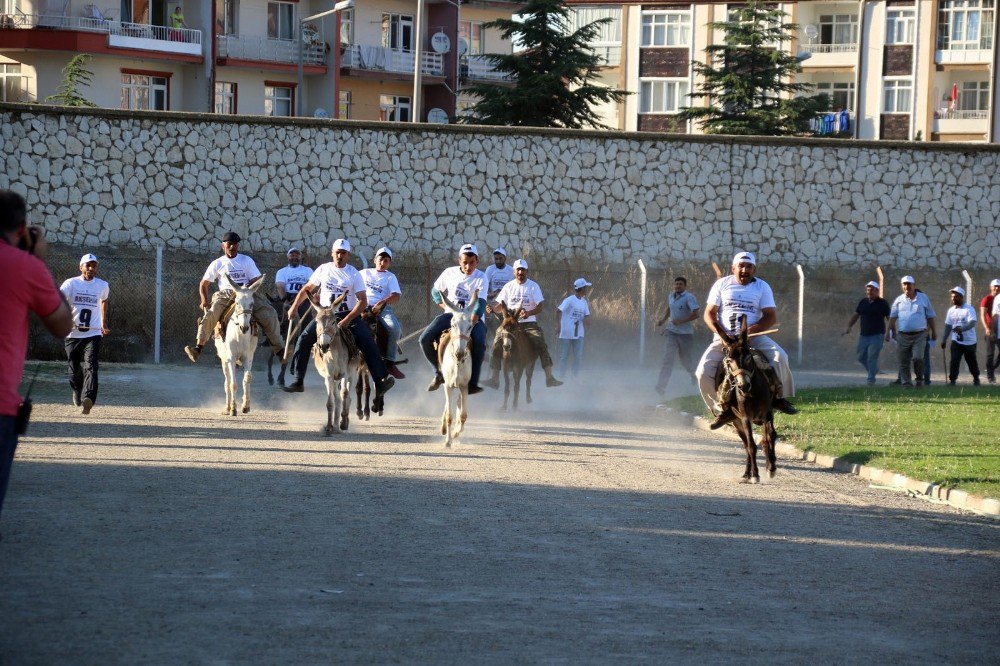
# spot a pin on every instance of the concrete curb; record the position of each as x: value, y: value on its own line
x: 875, y: 475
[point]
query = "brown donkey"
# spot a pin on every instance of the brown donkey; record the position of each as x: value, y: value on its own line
x: 519, y: 355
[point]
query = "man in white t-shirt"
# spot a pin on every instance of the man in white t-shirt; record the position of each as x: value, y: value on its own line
x: 458, y: 284
x: 382, y: 289
x: 290, y: 279
x: 524, y: 295
x: 333, y: 279
x: 731, y: 298
x: 960, y: 326
x: 498, y: 274
x: 88, y: 297
x: 242, y: 270
x: 572, y: 314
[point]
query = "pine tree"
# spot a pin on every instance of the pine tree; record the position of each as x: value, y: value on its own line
x: 748, y: 81
x: 74, y: 76
x: 550, y: 80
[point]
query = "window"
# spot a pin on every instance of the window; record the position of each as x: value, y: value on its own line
x: 666, y: 28
x: 397, y: 31
x: 225, y: 97
x: 841, y: 29
x: 12, y: 83
x: 280, y: 20
x: 607, y: 33
x: 899, y: 26
x: 347, y: 26
x: 974, y: 96
x: 966, y: 24
x: 841, y: 93
x: 394, y: 109
x: 344, y: 105
x: 226, y: 12
x: 662, y: 95
x: 470, y: 33
x: 145, y: 91
x: 897, y: 95
x: 278, y: 100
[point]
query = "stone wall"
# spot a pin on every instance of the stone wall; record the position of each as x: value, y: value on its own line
x: 101, y: 178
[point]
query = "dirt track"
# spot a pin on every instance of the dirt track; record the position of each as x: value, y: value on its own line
x: 582, y: 530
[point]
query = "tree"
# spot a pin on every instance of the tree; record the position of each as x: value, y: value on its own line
x: 75, y: 75
x: 550, y: 80
x: 748, y: 80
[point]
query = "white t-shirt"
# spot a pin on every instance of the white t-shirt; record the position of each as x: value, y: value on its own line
x: 496, y: 278
x: 527, y: 296
x: 458, y: 286
x: 379, y: 285
x: 334, y: 281
x: 293, y: 278
x: 241, y: 269
x: 85, y: 298
x: 573, y: 309
x: 734, y: 300
x: 996, y: 308
x: 957, y: 317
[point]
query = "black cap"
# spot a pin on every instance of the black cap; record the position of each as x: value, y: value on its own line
x: 231, y: 237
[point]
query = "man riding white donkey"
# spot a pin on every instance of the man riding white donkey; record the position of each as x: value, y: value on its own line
x: 731, y: 298
x: 242, y: 270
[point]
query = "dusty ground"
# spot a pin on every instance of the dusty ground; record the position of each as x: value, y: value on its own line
x: 585, y: 529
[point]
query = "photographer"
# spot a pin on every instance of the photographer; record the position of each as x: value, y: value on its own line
x: 27, y: 286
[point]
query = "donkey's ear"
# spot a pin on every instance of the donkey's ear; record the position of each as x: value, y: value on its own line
x: 473, y: 301
x: 228, y: 280
x: 258, y: 282
x: 449, y: 306
x: 503, y: 309
x: 743, y: 328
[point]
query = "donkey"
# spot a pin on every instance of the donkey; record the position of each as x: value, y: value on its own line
x: 239, y: 344
x: 742, y: 372
x: 282, y: 307
x: 519, y: 355
x: 456, y: 366
x: 336, y: 361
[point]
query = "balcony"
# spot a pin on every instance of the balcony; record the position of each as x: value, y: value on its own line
x: 479, y: 68
x: 963, y: 56
x: 842, y: 55
x: 154, y: 38
x: 259, y: 48
x: 961, y: 122
x: 385, y: 59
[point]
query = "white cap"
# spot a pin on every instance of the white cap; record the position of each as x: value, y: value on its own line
x: 500, y: 250
x: 292, y: 248
x: 907, y: 279
x: 873, y: 284
x: 87, y: 258
x: 995, y: 283
x: 580, y: 283
x: 958, y: 290
x: 744, y: 258
x: 521, y: 263
x: 341, y: 244
x: 469, y: 248
x: 384, y: 250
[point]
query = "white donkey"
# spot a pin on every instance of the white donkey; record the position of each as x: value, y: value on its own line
x: 335, y: 365
x: 239, y: 345
x: 456, y: 367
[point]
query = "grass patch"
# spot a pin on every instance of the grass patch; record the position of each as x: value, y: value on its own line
x: 942, y: 434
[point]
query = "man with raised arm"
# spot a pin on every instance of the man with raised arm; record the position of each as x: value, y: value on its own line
x: 382, y: 289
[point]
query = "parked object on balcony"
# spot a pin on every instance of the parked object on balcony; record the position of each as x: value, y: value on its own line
x: 54, y: 15
x: 94, y: 13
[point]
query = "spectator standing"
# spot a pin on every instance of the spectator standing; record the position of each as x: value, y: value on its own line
x: 873, y: 311
x: 990, y: 328
x: 682, y: 310
x: 960, y: 325
x: 911, y: 318
x: 27, y: 287
x: 572, y: 315
x: 88, y: 297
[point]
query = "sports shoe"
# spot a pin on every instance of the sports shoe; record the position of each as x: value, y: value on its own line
x: 295, y: 387
x: 722, y: 419
x: 384, y: 385
x: 551, y: 382
x: 783, y: 406
x: 193, y: 352
x: 919, y: 384
x: 473, y: 390
x: 493, y: 382
x: 87, y: 405
x: 436, y: 382
x: 394, y: 371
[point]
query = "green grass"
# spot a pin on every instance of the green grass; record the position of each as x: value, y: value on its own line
x: 942, y: 434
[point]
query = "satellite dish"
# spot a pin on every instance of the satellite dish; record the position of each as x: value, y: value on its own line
x: 811, y: 31
x: 321, y: 113
x: 803, y: 55
x: 440, y: 42
x: 463, y: 46
x: 437, y: 116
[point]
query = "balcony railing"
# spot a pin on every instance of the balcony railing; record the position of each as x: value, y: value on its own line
x: 480, y: 68
x: 122, y: 35
x: 832, y: 48
x: 970, y: 114
x: 963, y: 56
x: 386, y: 59
x: 52, y: 21
x: 261, y: 48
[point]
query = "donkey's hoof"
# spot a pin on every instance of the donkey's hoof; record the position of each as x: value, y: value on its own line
x: 754, y: 480
x: 328, y: 430
x: 771, y: 473
x: 270, y: 381
x: 246, y: 410
x: 232, y: 412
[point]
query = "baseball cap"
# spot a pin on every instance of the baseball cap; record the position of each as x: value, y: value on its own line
x: 744, y: 258
x: 907, y: 279
x: 873, y: 284
x: 87, y: 258
x: 958, y: 290
x: 292, y: 249
x: 231, y: 237
x: 995, y: 283
x: 341, y: 244
x: 580, y: 283
x: 521, y: 263
x: 384, y: 250
x: 500, y: 250
x: 470, y: 248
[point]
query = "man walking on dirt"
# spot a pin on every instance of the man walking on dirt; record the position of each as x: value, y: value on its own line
x: 88, y: 296
x: 912, y: 317
x: 682, y: 311
x: 873, y: 311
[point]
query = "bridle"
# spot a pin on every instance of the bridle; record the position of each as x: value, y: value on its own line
x: 738, y: 373
x: 239, y: 311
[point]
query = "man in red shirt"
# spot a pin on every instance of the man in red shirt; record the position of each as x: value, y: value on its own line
x: 27, y: 287
x: 990, y: 328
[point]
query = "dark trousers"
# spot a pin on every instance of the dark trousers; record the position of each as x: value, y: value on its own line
x: 537, y: 339
x: 679, y: 345
x: 83, y: 363
x: 968, y: 352
x: 991, y: 351
x: 441, y: 324
x: 8, y: 442
x: 363, y: 338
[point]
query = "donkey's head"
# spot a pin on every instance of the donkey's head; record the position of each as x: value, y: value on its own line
x: 738, y: 359
x: 243, y: 303
x: 509, y: 327
x: 326, y: 323
x: 461, y: 325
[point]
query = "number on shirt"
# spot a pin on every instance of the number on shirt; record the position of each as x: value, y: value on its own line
x: 85, y: 316
x: 576, y: 328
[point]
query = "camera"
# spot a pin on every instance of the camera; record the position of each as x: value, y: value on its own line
x: 28, y: 243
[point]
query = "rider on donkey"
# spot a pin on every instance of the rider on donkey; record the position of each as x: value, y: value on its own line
x: 731, y: 298
x: 382, y: 289
x: 242, y: 270
x: 333, y: 279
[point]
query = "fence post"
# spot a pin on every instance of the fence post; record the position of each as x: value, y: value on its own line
x: 159, y: 303
x: 968, y: 285
x: 642, y: 314
x: 802, y: 301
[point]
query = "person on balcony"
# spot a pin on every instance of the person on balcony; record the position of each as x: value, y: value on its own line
x: 177, y: 24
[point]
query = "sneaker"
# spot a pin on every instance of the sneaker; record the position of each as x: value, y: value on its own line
x: 975, y: 382
x: 76, y: 399
x: 919, y: 384
x: 493, y: 382
x: 722, y: 419
x: 661, y: 391
x: 394, y: 371
x: 436, y: 382
x: 952, y: 382
x: 783, y: 406
x: 871, y: 382
x: 87, y: 405
x: 473, y: 389
x: 193, y: 352
x: 906, y: 385
x: 896, y: 382
x: 552, y: 382
x: 386, y: 383
x: 295, y: 387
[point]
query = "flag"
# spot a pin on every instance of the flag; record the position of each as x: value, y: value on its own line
x: 954, y: 97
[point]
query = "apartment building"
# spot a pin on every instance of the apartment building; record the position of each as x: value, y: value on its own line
x: 902, y: 69
x: 245, y: 56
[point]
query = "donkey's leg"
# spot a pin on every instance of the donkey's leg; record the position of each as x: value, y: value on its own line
x: 530, y: 370
x: 518, y: 372
x: 446, y: 417
x: 228, y: 373
x: 281, y: 374
x: 270, y: 360
x: 345, y: 395
x: 770, y: 439
x: 369, y: 382
x: 247, y: 379
x: 359, y: 389
x: 463, y: 409
x: 331, y: 404
x: 751, y: 450
x: 506, y: 388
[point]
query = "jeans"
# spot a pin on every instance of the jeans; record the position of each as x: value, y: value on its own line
x: 394, y: 330
x: 442, y: 323
x: 564, y: 349
x: 363, y: 338
x: 869, y: 348
x: 83, y: 364
x: 678, y: 345
x: 968, y: 352
x: 8, y: 443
